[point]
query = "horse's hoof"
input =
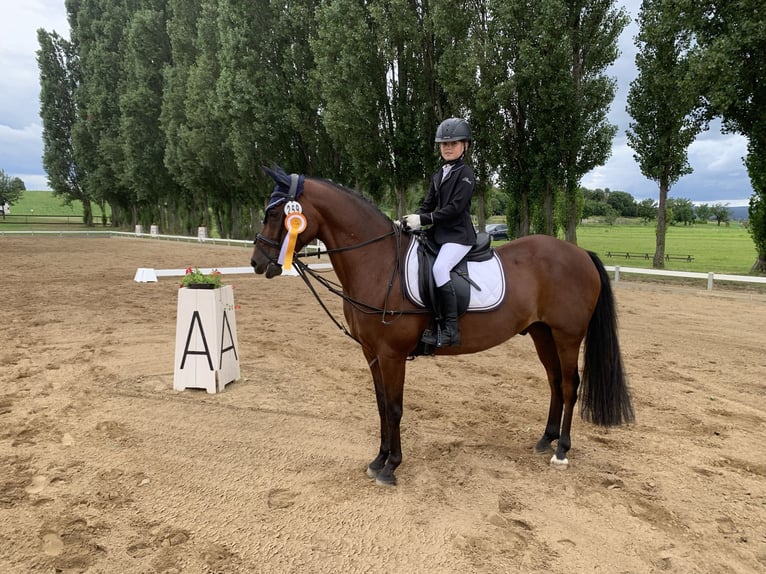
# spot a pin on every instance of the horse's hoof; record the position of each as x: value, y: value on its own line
x: 559, y: 462
x: 542, y: 446
x: 372, y: 473
x: 389, y: 482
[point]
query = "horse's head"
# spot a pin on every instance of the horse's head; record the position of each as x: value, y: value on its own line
x: 272, y: 241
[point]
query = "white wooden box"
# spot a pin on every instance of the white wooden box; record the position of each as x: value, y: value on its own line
x: 207, y: 349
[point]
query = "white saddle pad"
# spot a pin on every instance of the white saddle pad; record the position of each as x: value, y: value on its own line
x: 488, y: 275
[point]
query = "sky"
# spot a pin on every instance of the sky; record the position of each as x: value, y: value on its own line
x: 719, y: 174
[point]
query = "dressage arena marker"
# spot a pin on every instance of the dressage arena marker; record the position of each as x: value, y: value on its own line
x: 207, y: 355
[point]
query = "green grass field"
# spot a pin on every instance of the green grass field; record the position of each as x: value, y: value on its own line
x: 717, y: 249
x: 44, y: 203
x: 41, y: 210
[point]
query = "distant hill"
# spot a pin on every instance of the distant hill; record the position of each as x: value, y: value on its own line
x: 738, y: 213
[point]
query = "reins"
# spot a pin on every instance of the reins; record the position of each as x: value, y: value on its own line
x: 304, y: 271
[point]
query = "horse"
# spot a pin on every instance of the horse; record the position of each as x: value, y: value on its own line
x: 557, y: 293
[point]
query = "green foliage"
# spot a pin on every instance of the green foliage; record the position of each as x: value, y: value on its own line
x: 11, y: 188
x: 197, y: 277
x: 647, y: 210
x: 665, y: 104
x: 623, y: 203
x: 720, y: 212
x: 680, y: 210
x: 731, y: 43
x: 59, y: 74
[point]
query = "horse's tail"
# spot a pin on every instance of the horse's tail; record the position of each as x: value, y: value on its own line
x: 605, y: 399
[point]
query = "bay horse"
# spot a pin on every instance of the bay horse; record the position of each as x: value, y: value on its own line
x: 556, y: 292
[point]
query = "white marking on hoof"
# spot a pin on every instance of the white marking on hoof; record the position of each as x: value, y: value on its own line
x: 559, y: 463
x: 371, y: 473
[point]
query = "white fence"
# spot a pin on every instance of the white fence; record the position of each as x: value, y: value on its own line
x: 711, y: 277
x: 617, y: 270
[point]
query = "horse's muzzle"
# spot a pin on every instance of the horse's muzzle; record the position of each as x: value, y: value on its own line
x: 270, y: 268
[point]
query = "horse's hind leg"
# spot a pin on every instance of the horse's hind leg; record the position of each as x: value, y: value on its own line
x: 570, y: 382
x: 548, y: 354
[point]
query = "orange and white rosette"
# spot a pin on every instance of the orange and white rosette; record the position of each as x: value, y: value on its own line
x: 295, y: 223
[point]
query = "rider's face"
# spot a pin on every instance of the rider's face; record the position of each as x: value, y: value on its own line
x: 452, y: 150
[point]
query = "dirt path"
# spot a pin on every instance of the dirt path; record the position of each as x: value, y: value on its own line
x: 105, y: 469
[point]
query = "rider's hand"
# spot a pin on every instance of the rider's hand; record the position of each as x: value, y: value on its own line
x: 411, y: 222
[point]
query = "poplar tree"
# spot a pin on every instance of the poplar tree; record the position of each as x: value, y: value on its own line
x: 664, y: 103
x: 146, y: 51
x: 593, y: 28
x: 375, y: 90
x: 57, y: 63
x: 97, y: 29
x: 732, y: 39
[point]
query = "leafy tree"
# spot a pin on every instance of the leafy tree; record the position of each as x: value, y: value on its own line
x: 188, y: 208
x: 680, y: 210
x: 664, y: 103
x: 377, y: 89
x: 146, y: 51
x: 647, y: 210
x: 59, y: 76
x: 198, y: 150
x: 623, y: 203
x: 460, y: 73
x: 721, y: 213
x: 11, y: 188
x: 97, y: 30
x: 703, y: 212
x: 594, y: 27
x: 732, y: 44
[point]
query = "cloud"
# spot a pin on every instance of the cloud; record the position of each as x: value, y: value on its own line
x: 21, y: 148
x: 718, y: 176
x: 20, y: 127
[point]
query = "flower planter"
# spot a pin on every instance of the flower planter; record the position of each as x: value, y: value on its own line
x: 207, y: 349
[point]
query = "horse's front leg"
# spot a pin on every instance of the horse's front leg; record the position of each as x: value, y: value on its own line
x: 388, y: 376
x: 374, y: 468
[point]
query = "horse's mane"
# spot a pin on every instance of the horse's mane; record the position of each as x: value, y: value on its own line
x: 354, y: 194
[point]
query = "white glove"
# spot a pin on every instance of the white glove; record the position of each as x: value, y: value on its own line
x: 411, y: 222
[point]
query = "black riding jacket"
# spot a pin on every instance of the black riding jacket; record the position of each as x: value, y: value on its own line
x: 448, y: 206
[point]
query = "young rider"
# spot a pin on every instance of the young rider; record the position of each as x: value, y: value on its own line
x: 446, y: 208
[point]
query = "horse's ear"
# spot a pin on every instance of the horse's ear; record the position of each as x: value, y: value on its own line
x: 277, y: 174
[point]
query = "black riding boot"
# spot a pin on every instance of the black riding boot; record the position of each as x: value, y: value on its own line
x: 450, y: 334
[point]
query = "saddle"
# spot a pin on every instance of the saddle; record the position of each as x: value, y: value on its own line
x: 461, y: 281
x: 478, y: 281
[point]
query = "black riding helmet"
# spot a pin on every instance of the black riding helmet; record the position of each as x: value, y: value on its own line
x: 453, y: 129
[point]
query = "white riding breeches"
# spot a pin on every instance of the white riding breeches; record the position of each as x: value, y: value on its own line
x: 449, y: 255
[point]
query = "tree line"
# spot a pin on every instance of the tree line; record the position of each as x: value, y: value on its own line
x: 610, y: 205
x: 165, y: 110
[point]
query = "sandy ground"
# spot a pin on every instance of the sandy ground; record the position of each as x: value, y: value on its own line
x: 105, y: 469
